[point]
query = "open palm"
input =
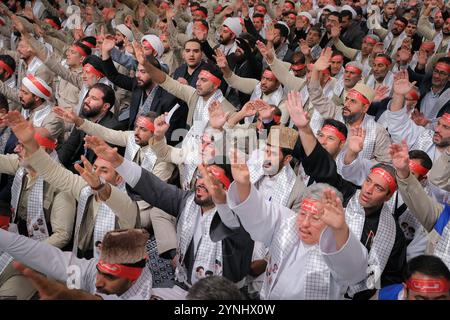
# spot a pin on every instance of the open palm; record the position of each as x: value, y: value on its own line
x: 295, y: 107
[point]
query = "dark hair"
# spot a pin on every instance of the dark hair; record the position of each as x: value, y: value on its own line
x: 9, y: 61
x: 84, y: 47
x: 284, y: 31
x: 202, y: 9
x: 223, y: 162
x: 428, y: 265
x: 334, y: 13
x: 337, y: 53
x: 249, y: 38
x: 55, y: 20
x: 424, y: 158
x: 317, y: 29
x: 198, y: 268
x: 390, y: 2
x: 108, y: 93
x: 345, y: 13
x: 298, y: 57
x: 384, y: 56
x: 94, y: 61
x: 291, y: 2
x: 194, y: 40
x: 258, y: 15
x: 91, y: 40
x: 152, y: 115
x: 389, y: 169
x: 403, y: 20
x: 285, y: 14
x: 4, y: 102
x: 445, y: 60
x: 342, y: 128
x: 214, y: 288
x: 213, y: 69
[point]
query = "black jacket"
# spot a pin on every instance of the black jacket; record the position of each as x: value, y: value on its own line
x: 353, y: 36
x: 71, y: 150
x: 162, y: 102
x: 6, y: 181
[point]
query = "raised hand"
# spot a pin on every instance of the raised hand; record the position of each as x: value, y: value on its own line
x: 270, y: 33
x: 239, y: 168
x: 78, y: 34
x: 422, y: 57
x: 108, y: 44
x: 419, y: 118
x: 102, y: 149
x: 324, y: 60
x: 404, y: 56
x: 266, y: 52
x: 401, y: 83
x: 68, y: 115
x: 139, y: 53
x: 304, y: 48
x: 400, y: 158
x: 142, y: 11
x: 199, y: 33
x: 217, y: 116
x: 335, y: 31
x: 295, y: 107
x: 221, y: 60
x: 161, y: 126
x: 381, y: 93
x: 245, y: 10
x: 88, y: 174
x: 18, y: 25
x: 215, y: 188
x: 22, y: 128
x: 264, y: 110
x: 248, y: 110
x: 356, y: 140
x: 333, y: 213
x: 129, y: 22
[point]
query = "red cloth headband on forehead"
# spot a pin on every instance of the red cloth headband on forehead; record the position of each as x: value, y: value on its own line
x: 370, y: 40
x: 413, y: 94
x: 52, y: 23
x: 258, y: 18
x: 438, y: 13
x: 383, y: 60
x: 200, y: 25
x: 119, y: 270
x: 298, y: 67
x: 88, y: 44
x: 333, y: 130
x: 146, y: 123
x: 201, y: 13
x: 45, y: 142
x: 80, y: 50
x: 416, y: 167
x: 443, y: 67
x: 208, y: 75
x: 446, y: 117
x: 276, y: 119
x: 39, y: 85
x: 428, y: 45
x: 309, y: 206
x: 428, y: 285
x: 292, y: 15
x: 89, y: 68
x: 358, y: 96
x: 353, y: 69
x: 220, y: 175
x: 390, y: 180
x: 148, y: 45
x: 6, y: 67
x: 269, y: 74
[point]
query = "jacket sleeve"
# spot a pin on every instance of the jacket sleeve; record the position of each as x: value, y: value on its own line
x: 115, y: 77
x: 440, y: 172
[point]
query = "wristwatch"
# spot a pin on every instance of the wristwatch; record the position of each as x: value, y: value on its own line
x: 100, y: 186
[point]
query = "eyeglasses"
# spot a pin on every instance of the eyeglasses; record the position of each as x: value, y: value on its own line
x: 440, y: 72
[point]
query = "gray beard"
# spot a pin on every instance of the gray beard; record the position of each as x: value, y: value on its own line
x: 444, y: 143
x: 351, y: 118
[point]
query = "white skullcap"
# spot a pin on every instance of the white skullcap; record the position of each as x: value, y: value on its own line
x: 123, y: 29
x: 349, y: 8
x: 285, y: 25
x: 234, y: 24
x: 155, y: 42
x: 307, y: 15
x: 329, y: 7
x: 37, y: 86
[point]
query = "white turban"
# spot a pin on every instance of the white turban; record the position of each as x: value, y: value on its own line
x: 234, y: 24
x: 347, y: 7
x: 123, y: 29
x: 330, y: 8
x: 155, y: 42
x: 37, y: 86
x: 307, y: 15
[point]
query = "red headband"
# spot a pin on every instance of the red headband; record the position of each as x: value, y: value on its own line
x: 229, y: 30
x: 298, y: 67
x: 164, y: 5
x: 276, y: 119
x: 200, y: 25
x: 443, y: 67
x: 358, y: 96
x: 390, y: 180
x: 370, y: 40
x: 269, y: 74
x: 428, y: 285
x: 208, y: 75
x: 446, y: 117
x: 52, y: 23
x: 146, y: 123
x: 45, y: 142
x: 258, y: 18
x: 80, y: 50
x: 428, y: 45
x: 201, y: 13
x: 413, y: 93
x: 6, y: 67
x: 438, y: 13
x: 292, y: 15
x: 39, y: 85
x: 148, y: 45
x: 219, y: 175
x: 383, y: 60
x: 337, y: 58
x: 89, y: 68
x: 416, y: 167
x: 309, y: 206
x: 119, y: 270
x: 353, y: 69
x: 333, y: 130
x: 87, y: 44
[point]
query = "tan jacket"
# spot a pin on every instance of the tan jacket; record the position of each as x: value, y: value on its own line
x: 425, y: 29
x: 120, y: 203
x: 59, y: 206
x: 190, y: 96
x: 424, y: 208
x: 328, y: 109
x: 439, y: 174
x: 162, y: 169
x: 52, y: 123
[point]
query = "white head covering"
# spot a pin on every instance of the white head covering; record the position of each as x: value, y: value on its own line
x: 155, y: 42
x: 234, y: 24
x: 123, y: 29
x: 330, y: 8
x: 37, y: 86
x: 349, y: 8
x: 307, y: 15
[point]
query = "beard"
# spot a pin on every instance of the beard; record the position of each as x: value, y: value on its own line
x: 29, y: 105
x: 144, y: 84
x: 205, y: 202
x: 445, y: 142
x: 272, y: 169
x: 350, y: 119
x: 90, y: 113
